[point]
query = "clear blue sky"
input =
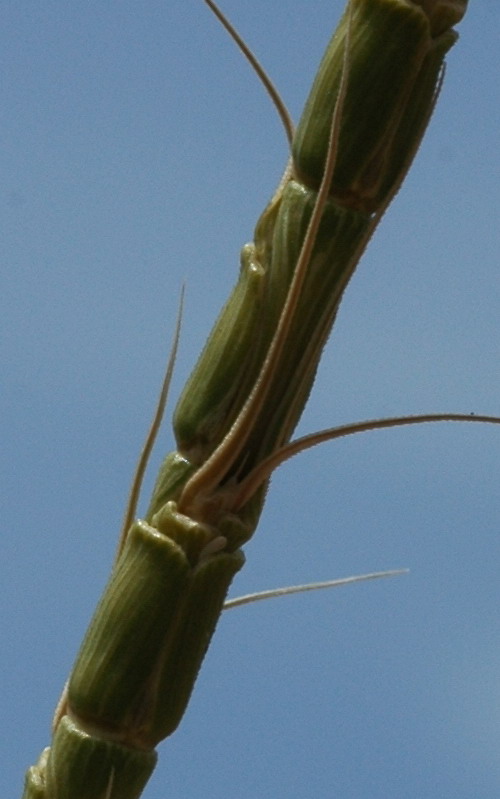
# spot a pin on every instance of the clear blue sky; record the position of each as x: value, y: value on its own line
x: 137, y: 151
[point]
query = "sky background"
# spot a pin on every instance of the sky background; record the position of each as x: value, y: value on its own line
x: 138, y: 150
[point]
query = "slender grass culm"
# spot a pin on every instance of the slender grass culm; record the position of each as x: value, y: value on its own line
x: 234, y: 422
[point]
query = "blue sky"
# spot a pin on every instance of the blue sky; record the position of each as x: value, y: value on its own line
x: 138, y: 150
